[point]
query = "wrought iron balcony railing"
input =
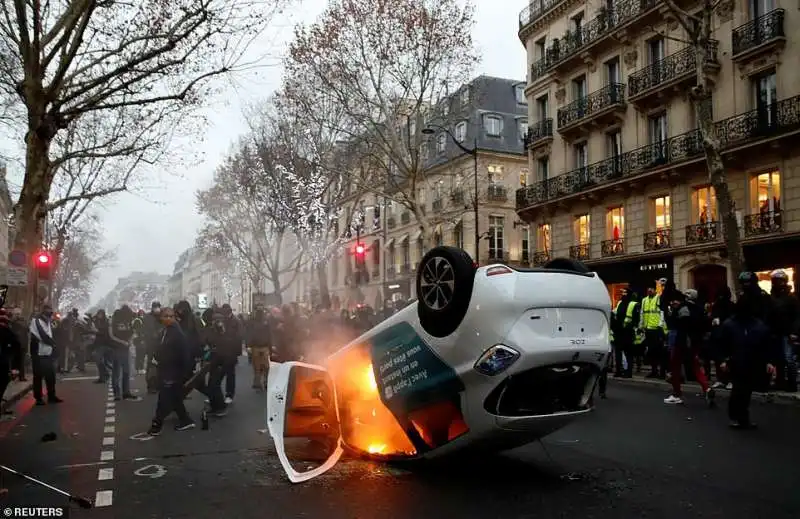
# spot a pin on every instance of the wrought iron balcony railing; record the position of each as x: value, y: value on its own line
x: 757, y: 32
x: 768, y: 222
x: 612, y: 247
x: 391, y: 222
x: 436, y: 205
x: 658, y: 240
x: 457, y: 196
x: 671, y: 67
x: 769, y: 121
x: 608, y: 96
x: 580, y: 252
x: 538, y: 132
x: 405, y: 218
x: 702, y: 233
x: 535, y: 10
x: 496, y: 193
x: 607, y: 19
x: 540, y: 258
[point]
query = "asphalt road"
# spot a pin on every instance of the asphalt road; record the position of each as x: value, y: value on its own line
x: 633, y: 458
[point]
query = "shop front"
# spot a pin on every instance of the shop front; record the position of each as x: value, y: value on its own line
x: 763, y: 258
x: 635, y: 275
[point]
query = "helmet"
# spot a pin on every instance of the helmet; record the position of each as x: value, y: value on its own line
x: 778, y: 275
x: 691, y: 294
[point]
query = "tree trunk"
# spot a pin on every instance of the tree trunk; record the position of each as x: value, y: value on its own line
x: 701, y: 95
x: 324, y: 293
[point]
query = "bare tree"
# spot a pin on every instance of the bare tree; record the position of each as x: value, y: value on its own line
x: 62, y: 61
x: 249, y: 217
x: 699, y: 27
x: 386, y: 64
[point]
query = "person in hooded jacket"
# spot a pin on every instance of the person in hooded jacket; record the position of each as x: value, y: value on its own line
x: 688, y: 326
x: 151, y: 331
x: 102, y: 346
x: 750, y: 350
x: 188, y: 323
x: 784, y: 314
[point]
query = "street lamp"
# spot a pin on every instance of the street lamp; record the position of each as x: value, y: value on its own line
x: 474, y: 152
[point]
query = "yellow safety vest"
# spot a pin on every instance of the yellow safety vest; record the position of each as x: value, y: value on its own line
x: 651, y: 313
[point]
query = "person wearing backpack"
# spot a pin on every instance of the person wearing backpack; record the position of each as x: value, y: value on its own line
x: 121, y: 337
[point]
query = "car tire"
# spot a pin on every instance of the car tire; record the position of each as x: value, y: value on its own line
x: 445, y: 278
x: 566, y: 264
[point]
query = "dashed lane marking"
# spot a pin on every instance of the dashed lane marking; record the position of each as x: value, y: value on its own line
x: 111, y: 419
x: 67, y: 379
x: 107, y: 456
x: 110, y: 411
x: 105, y: 474
x: 108, y: 440
x: 104, y: 498
x: 109, y: 429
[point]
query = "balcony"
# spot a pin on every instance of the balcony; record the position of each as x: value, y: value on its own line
x: 391, y: 222
x: 659, y: 239
x: 751, y: 127
x: 457, y: 196
x: 756, y: 37
x: 436, y: 205
x: 540, y: 258
x: 539, y: 134
x: 760, y: 224
x: 607, y: 29
x: 581, y: 252
x: 496, y: 193
x: 405, y: 218
x: 601, y: 108
x: 535, y: 10
x: 701, y: 233
x: 612, y: 247
x: 669, y: 76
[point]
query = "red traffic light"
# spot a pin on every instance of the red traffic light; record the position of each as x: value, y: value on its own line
x: 360, y: 249
x: 43, y: 258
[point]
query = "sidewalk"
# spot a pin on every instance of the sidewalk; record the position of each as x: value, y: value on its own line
x: 16, y: 390
x: 778, y: 397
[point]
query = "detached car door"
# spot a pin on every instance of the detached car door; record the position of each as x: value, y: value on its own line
x: 303, y: 419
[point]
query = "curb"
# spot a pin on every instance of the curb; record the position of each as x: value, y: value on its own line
x: 767, y: 398
x: 16, y: 397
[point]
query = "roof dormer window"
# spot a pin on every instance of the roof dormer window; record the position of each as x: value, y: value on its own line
x: 493, y: 125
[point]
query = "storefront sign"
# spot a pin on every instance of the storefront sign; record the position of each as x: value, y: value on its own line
x: 653, y: 266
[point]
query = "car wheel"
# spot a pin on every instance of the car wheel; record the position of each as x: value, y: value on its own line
x: 566, y: 264
x: 445, y: 278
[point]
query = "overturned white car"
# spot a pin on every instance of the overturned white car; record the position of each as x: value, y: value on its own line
x: 487, y: 358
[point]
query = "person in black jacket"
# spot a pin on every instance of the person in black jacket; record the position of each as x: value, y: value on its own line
x: 173, y: 359
x: 785, y: 312
x: 750, y: 350
x: 9, y: 351
x: 230, y: 348
x: 215, y: 339
x: 721, y: 310
x: 687, y: 321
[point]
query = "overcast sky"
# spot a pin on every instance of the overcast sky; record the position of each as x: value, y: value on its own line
x: 150, y: 228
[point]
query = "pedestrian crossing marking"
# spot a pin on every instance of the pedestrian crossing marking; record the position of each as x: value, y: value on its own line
x: 109, y: 429
x: 107, y: 456
x: 108, y: 440
x: 111, y: 419
x: 104, y: 498
x: 105, y: 474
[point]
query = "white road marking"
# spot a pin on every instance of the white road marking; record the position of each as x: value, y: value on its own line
x: 109, y: 429
x: 111, y: 405
x: 77, y: 378
x: 106, y: 455
x: 111, y: 419
x: 108, y: 440
x: 151, y: 471
x: 110, y: 411
x: 105, y: 474
x: 104, y: 498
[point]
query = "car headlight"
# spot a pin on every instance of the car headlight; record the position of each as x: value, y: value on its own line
x: 496, y: 359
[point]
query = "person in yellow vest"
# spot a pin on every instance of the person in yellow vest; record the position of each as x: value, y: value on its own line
x: 653, y: 326
x: 623, y: 326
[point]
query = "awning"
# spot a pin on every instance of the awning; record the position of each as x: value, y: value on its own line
x: 389, y: 243
x: 417, y: 236
x: 402, y: 238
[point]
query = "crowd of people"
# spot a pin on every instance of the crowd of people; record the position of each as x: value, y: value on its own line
x: 751, y: 343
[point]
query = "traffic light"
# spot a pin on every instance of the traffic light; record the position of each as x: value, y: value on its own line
x: 44, y: 265
x: 360, y: 250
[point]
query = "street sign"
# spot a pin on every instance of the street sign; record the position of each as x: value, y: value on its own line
x: 17, y: 277
x: 18, y: 258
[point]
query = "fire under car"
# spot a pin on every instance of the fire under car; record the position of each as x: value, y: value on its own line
x: 488, y: 358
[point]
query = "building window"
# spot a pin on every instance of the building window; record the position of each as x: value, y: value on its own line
x: 614, y: 143
x: 542, y: 169
x: 578, y: 88
x: 615, y: 223
x: 441, y: 142
x: 766, y: 95
x: 581, y: 155
x: 493, y: 125
x: 519, y: 93
x: 406, y: 250
x: 496, y: 238
x: 465, y: 97
x: 765, y: 192
x: 542, y: 107
x: 540, y: 48
x: 662, y: 212
x: 495, y: 174
x: 655, y: 50
x: 461, y: 132
x: 421, y: 196
x: 458, y: 235
x: 761, y: 7
x: 613, y: 74
x: 523, y: 177
x: 525, y: 244
x: 704, y: 205
x: 523, y: 128
x: 577, y: 23
x: 583, y: 229
x: 543, y: 238
x: 657, y: 128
